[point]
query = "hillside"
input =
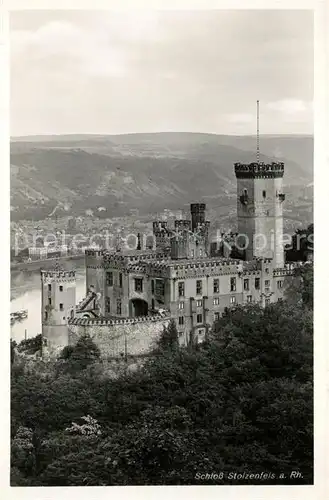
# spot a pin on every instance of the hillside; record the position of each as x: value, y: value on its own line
x: 144, y: 171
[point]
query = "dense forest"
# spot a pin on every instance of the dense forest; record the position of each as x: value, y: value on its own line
x: 241, y: 402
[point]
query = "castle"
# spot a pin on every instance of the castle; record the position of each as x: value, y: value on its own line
x: 132, y: 295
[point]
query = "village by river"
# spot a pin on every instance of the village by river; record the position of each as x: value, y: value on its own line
x: 26, y: 294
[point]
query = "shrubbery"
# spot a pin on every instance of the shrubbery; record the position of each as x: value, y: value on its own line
x: 242, y: 401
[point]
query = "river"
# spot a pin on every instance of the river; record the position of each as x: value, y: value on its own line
x: 26, y: 294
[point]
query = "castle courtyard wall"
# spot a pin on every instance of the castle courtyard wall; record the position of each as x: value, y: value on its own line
x: 117, y: 338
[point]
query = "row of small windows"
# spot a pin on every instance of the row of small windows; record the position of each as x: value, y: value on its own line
x: 60, y: 288
x: 245, y: 192
x: 61, y: 306
x: 199, y: 319
x: 217, y: 314
x: 216, y: 288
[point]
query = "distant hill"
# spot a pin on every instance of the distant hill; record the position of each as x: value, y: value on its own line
x: 144, y: 171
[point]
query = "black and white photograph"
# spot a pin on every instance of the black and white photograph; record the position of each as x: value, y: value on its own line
x: 161, y: 247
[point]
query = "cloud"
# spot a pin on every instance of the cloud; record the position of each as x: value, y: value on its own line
x: 88, y: 51
x: 241, y: 118
x: 107, y: 72
x: 290, y: 106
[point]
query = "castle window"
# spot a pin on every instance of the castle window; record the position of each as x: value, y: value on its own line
x: 267, y: 302
x: 46, y: 315
x: 267, y: 270
x: 200, y: 251
x: 198, y: 287
x: 181, y: 289
x: 216, y: 301
x: 107, y: 304
x: 257, y: 283
x: 49, y: 288
x: 49, y: 301
x: 264, y: 194
x: 249, y: 298
x: 199, y: 318
x: 216, y: 285
x: 109, y: 278
x: 232, y: 300
x: 245, y: 192
x: 181, y: 305
x: 159, y: 287
x: 216, y: 316
x: 119, y: 306
x: 199, y: 303
x: 61, y: 307
x: 153, y: 305
x: 60, y: 288
x: 120, y: 280
x: 233, y: 284
x: 267, y: 282
x: 280, y: 284
x: 181, y: 320
x: 246, y: 285
x: 138, y: 284
x: 152, y: 286
x: 192, y: 254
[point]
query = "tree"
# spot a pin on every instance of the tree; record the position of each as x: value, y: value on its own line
x: 31, y: 345
x: 299, y: 287
x: 13, y: 346
x: 168, y: 340
x: 241, y: 402
x: 84, y: 353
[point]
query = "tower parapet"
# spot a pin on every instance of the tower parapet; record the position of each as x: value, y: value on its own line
x: 259, y: 170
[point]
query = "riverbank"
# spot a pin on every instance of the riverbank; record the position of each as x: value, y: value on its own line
x: 37, y: 265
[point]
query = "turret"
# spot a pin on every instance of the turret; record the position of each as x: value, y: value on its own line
x: 58, y: 300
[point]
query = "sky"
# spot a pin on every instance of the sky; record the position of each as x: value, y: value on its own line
x: 103, y: 72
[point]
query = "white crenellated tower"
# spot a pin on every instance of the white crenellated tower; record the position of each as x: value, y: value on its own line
x: 58, y: 299
x: 260, y: 208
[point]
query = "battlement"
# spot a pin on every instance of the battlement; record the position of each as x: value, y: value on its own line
x: 287, y: 270
x: 57, y: 274
x: 204, y: 264
x: 94, y: 253
x: 160, y: 226
x: 259, y: 170
x: 118, y: 321
x: 197, y: 207
x: 183, y: 223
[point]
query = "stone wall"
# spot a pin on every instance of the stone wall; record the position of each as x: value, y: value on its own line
x: 118, y: 338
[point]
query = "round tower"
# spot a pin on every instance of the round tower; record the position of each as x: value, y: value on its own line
x: 260, y: 210
x: 58, y: 289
